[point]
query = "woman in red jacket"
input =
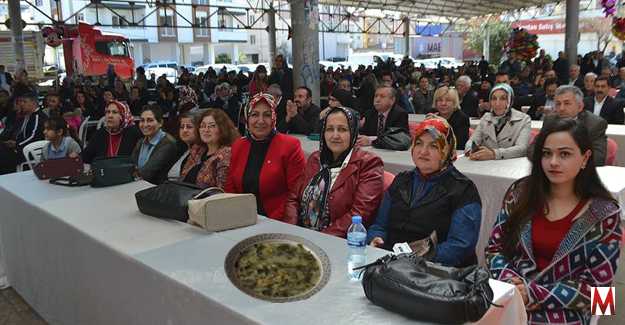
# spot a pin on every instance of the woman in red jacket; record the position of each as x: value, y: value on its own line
x: 340, y: 180
x: 265, y: 162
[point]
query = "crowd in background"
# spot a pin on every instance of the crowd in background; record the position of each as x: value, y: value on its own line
x: 191, y: 131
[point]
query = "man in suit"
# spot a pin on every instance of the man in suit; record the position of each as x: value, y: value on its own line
x: 544, y: 100
x: 569, y: 103
x: 574, y: 77
x: 385, y: 115
x: 561, y: 66
x: 603, y: 105
x: 468, y: 98
x: 589, y: 84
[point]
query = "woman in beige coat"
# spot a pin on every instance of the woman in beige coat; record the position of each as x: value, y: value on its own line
x: 503, y: 133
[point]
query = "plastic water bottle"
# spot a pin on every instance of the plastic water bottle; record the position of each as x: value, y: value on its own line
x: 356, y: 255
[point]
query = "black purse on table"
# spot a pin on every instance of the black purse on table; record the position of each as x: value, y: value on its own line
x: 408, y: 285
x: 393, y: 138
x: 170, y: 199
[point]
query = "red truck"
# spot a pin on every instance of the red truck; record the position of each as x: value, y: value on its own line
x: 89, y: 51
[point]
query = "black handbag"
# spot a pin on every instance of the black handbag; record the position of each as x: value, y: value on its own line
x: 170, y: 199
x: 393, y: 138
x: 408, y: 285
x: 112, y: 171
x: 83, y: 179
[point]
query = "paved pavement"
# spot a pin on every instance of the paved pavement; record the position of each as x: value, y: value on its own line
x: 15, y: 311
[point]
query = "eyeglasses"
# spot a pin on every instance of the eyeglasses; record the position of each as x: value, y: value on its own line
x: 208, y: 126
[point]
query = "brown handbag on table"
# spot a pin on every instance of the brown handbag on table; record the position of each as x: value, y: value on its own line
x: 62, y: 167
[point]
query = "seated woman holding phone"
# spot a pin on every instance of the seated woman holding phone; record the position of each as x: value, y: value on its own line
x: 433, y: 197
x: 503, y: 133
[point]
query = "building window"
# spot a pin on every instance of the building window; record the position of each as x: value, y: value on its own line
x: 38, y: 3
x: 203, y: 22
x: 252, y: 39
x: 118, y: 21
x: 79, y: 17
x: 166, y: 24
x: 200, y: 2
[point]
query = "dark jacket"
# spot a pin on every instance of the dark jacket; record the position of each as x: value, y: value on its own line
x: 163, y: 156
x: 305, y: 122
x: 447, y: 202
x: 357, y: 190
x: 460, y: 124
x: 99, y: 142
x: 285, y: 79
x: 470, y: 104
x: 397, y: 117
x: 422, y: 103
x: 611, y: 111
x: 31, y: 133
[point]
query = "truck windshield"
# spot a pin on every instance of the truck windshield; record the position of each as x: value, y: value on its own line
x: 115, y: 48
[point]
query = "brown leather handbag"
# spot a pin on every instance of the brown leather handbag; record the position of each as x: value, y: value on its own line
x: 62, y: 167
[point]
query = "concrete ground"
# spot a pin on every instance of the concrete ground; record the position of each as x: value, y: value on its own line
x: 15, y: 311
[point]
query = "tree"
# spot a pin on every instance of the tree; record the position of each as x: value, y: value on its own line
x: 499, y: 33
x: 603, y: 28
x: 223, y: 58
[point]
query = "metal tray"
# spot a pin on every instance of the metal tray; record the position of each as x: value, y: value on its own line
x: 321, y: 257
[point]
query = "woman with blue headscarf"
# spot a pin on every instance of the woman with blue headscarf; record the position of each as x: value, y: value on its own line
x: 504, y: 132
x: 340, y: 180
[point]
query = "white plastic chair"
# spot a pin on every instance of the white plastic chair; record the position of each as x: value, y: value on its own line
x: 32, y: 153
x: 100, y: 123
x: 82, y: 131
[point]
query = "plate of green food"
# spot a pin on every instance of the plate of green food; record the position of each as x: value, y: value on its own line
x: 278, y: 267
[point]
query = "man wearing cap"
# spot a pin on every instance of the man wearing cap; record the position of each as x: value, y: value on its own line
x: 27, y: 129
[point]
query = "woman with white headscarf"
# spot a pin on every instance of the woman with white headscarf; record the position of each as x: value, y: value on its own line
x: 504, y: 132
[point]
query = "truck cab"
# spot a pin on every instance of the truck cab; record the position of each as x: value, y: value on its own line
x: 89, y: 51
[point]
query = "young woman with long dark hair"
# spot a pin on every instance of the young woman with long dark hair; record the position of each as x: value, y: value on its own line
x: 558, y: 233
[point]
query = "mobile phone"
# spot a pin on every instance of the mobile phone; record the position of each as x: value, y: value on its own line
x: 475, y: 147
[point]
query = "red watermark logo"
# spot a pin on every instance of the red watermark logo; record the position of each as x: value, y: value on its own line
x: 602, y: 300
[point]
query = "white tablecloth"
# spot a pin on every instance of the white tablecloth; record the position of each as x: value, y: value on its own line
x: 87, y: 256
x: 615, y: 132
x: 492, y: 179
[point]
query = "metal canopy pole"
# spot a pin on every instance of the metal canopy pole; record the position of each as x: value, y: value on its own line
x: 15, y: 13
x: 571, y: 37
x: 271, y: 29
x: 305, y: 22
x: 406, y: 36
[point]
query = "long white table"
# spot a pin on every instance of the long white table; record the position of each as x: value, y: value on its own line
x: 615, y: 132
x: 492, y: 179
x: 88, y: 256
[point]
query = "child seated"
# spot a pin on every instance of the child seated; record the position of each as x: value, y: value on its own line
x: 61, y: 144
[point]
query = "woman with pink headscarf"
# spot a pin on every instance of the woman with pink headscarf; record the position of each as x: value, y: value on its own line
x: 118, y: 137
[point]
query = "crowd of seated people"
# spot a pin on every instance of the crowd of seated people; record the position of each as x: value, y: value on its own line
x: 236, y: 131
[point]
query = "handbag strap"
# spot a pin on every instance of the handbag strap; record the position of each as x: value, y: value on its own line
x: 210, y: 191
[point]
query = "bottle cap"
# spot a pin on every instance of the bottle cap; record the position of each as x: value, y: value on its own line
x: 356, y: 219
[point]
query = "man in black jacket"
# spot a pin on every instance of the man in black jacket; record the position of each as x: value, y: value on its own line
x: 282, y: 75
x: 302, y: 116
x: 468, y: 98
x: 385, y: 115
x: 575, y: 79
x: 27, y: 129
x: 603, y: 105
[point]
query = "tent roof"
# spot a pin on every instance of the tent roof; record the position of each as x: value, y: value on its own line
x: 445, y: 8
